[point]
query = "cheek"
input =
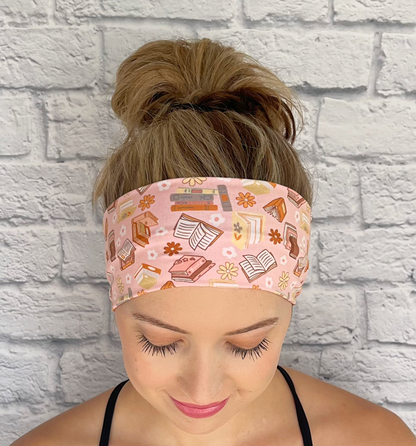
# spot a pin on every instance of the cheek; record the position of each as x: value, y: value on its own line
x: 144, y: 370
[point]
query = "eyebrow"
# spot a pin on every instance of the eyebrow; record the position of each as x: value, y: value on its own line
x: 157, y: 322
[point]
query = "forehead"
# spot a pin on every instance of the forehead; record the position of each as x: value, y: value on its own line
x: 192, y: 302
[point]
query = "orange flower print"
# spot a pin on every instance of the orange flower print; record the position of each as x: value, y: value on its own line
x: 146, y: 202
x: 141, y: 292
x: 227, y: 271
x: 256, y: 287
x: 245, y: 199
x: 193, y: 180
x: 172, y: 248
x: 120, y: 285
x: 275, y: 236
x: 283, y: 279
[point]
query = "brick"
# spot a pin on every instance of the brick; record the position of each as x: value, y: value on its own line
x: 73, y: 11
x: 186, y: 9
x: 305, y: 140
x: 334, y: 191
x: 52, y: 313
x: 388, y: 194
x: 372, y: 254
x: 277, y: 10
x: 21, y: 126
x: 43, y: 191
x: 391, y: 315
x: 385, y: 11
x: 26, y: 376
x: 79, y: 125
x: 83, y: 255
x: 316, y: 61
x: 47, y: 58
x: 23, y: 13
x: 366, y: 128
x: 29, y: 254
x: 398, y: 67
x: 207, y: 11
x: 323, y: 317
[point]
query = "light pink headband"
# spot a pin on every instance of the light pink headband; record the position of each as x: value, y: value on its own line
x: 216, y: 232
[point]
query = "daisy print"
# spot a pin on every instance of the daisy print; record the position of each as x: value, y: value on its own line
x: 283, y: 279
x: 227, y: 271
x: 269, y: 282
x: 123, y: 231
x: 194, y: 180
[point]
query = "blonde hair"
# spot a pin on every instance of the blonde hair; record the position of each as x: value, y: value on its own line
x: 198, y: 108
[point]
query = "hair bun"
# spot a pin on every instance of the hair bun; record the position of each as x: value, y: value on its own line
x: 200, y: 108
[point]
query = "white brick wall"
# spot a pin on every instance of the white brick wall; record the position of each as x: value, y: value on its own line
x: 353, y: 64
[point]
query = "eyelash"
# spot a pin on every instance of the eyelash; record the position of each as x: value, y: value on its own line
x: 172, y: 348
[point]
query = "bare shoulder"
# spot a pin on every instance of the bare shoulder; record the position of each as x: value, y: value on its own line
x: 339, y: 417
x: 80, y: 425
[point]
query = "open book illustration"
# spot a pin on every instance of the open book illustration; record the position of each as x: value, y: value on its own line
x: 199, y: 233
x: 254, y: 267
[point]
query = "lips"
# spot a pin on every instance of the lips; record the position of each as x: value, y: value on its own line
x: 194, y: 406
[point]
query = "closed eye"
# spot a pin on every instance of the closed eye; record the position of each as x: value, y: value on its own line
x: 148, y: 347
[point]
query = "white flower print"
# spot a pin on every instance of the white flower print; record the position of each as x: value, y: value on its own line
x: 123, y: 230
x: 229, y: 252
x: 297, y: 216
x: 128, y: 278
x: 113, y: 270
x: 269, y: 282
x: 114, y: 217
x: 161, y: 231
x: 118, y: 242
x: 304, y: 243
x: 283, y: 260
x: 216, y: 219
x: 163, y: 185
x: 152, y: 254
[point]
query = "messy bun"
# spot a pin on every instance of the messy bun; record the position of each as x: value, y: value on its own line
x: 198, y: 108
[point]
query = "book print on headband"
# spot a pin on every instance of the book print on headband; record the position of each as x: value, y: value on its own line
x: 223, y: 232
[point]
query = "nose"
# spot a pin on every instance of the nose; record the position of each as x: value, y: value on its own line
x: 203, y: 383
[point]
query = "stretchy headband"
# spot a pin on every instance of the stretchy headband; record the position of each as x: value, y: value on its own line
x: 214, y: 231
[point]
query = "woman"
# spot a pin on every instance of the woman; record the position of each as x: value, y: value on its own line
x: 199, y: 112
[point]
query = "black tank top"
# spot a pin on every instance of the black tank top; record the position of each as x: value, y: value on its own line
x: 303, y: 421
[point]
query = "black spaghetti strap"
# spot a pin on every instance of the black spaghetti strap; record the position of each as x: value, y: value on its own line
x: 303, y: 421
x: 105, y: 433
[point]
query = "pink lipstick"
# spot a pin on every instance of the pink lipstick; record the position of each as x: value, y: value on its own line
x: 191, y: 410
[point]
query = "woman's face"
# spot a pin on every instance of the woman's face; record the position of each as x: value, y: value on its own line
x: 200, y: 367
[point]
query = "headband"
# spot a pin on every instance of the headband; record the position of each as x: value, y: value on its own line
x: 214, y: 231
